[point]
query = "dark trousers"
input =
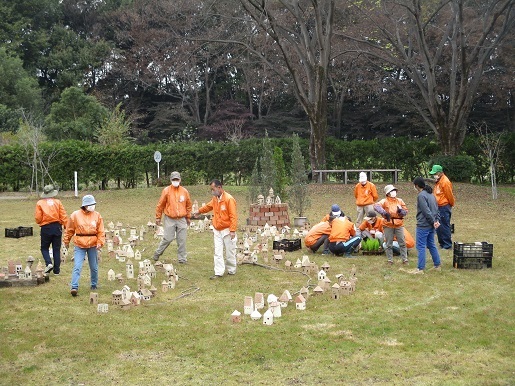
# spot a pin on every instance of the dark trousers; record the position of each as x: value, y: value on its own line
x: 324, y: 239
x: 340, y: 248
x: 51, y: 234
x: 443, y: 232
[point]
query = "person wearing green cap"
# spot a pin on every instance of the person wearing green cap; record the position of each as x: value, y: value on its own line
x: 445, y: 200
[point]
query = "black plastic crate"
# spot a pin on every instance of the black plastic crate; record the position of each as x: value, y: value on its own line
x: 473, y: 255
x: 287, y: 245
x: 18, y: 232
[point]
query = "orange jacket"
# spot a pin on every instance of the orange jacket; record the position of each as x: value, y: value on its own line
x: 88, y: 228
x: 443, y: 191
x: 322, y: 228
x: 408, y: 238
x: 175, y: 202
x: 224, y: 210
x: 365, y: 194
x: 377, y: 226
x: 341, y: 230
x: 391, y: 205
x: 49, y: 210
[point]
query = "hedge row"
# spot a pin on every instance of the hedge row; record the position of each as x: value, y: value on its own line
x: 199, y: 162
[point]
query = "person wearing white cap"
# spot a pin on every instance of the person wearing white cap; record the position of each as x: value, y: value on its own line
x: 393, y: 210
x: 175, y: 207
x: 366, y: 195
x: 51, y: 217
x: 86, y: 226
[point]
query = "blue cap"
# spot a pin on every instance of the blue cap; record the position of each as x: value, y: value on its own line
x: 335, y: 208
x: 88, y: 200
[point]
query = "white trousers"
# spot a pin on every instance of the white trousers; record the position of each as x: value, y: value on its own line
x: 223, y: 240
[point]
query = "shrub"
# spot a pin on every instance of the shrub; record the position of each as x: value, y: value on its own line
x: 459, y: 168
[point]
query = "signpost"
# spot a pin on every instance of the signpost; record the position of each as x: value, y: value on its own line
x: 157, y: 158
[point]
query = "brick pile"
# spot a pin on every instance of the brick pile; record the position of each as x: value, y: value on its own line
x: 274, y: 214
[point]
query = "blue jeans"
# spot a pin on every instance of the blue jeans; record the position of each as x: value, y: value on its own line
x: 79, y: 255
x: 51, y: 234
x: 444, y: 230
x: 339, y: 248
x: 426, y: 239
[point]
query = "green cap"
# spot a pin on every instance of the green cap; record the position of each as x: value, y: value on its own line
x: 436, y: 169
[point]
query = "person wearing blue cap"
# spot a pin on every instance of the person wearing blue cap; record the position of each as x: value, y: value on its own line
x: 335, y: 212
x: 86, y: 226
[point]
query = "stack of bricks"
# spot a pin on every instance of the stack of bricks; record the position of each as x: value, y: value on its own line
x: 274, y: 214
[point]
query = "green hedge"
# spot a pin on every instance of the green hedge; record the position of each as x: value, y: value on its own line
x: 131, y: 165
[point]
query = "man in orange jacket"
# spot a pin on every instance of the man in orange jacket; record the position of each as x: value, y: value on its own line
x: 445, y: 200
x: 175, y: 203
x: 366, y: 194
x: 51, y: 217
x: 225, y: 224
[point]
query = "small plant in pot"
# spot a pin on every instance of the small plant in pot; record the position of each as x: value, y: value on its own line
x: 298, y: 191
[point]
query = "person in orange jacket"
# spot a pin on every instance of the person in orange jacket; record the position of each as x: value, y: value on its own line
x: 445, y: 200
x: 342, y: 239
x: 225, y: 223
x: 393, y: 210
x: 317, y: 236
x: 51, y: 217
x: 175, y: 203
x: 371, y: 227
x: 366, y: 195
x: 86, y: 226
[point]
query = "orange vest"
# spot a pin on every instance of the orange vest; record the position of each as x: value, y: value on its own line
x: 87, y: 227
x: 341, y: 230
x: 443, y: 191
x: 377, y: 226
x: 175, y: 202
x: 322, y: 228
x: 365, y: 194
x: 224, y: 210
x: 49, y: 210
x: 390, y: 205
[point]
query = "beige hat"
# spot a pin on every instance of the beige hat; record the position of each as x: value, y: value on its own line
x: 389, y: 188
x: 49, y: 191
x: 175, y: 176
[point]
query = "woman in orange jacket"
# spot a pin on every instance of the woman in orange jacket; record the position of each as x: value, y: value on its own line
x: 393, y: 210
x: 86, y: 226
x: 343, y: 239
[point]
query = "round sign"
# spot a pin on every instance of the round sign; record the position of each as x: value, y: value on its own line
x: 157, y: 156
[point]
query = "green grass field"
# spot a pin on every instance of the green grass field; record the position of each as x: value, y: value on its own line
x: 454, y: 327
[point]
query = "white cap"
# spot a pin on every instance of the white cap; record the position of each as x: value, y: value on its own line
x: 362, y: 177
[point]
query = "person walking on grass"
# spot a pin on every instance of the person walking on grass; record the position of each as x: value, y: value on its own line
x: 445, y: 200
x: 393, y: 210
x: 366, y: 195
x: 86, y: 226
x: 225, y: 223
x: 51, y: 217
x: 175, y: 207
x: 427, y: 222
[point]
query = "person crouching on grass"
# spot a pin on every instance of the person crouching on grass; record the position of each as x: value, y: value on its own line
x: 86, y: 226
x: 343, y: 239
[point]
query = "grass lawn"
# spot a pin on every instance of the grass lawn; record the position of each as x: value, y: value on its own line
x: 454, y: 327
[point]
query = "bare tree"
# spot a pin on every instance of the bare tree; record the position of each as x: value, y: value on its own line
x: 492, y: 147
x: 439, y: 50
x: 302, y: 32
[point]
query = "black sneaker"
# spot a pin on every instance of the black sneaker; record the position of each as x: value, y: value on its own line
x: 74, y: 291
x: 93, y: 287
